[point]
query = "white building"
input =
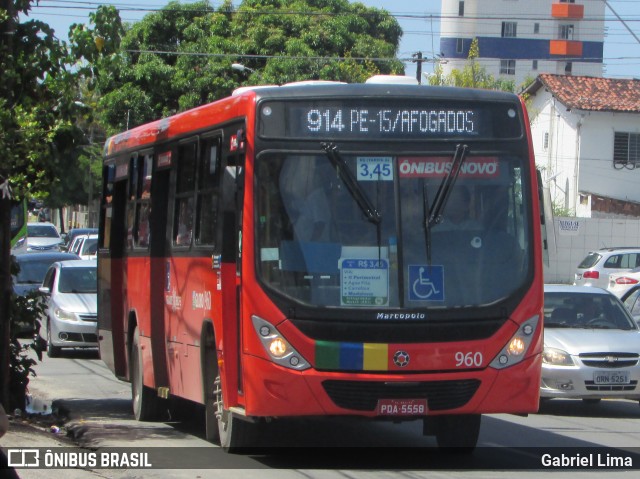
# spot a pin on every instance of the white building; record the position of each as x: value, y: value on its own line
x: 586, y: 138
x: 519, y: 39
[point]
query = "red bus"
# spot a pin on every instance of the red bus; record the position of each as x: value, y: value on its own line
x: 326, y: 250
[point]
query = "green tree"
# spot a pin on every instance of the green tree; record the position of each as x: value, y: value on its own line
x: 180, y: 57
x: 473, y: 75
x: 36, y: 132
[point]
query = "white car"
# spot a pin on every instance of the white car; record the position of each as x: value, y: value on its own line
x: 620, y: 283
x: 85, y: 246
x: 591, y: 346
x: 595, y: 268
x: 71, y: 318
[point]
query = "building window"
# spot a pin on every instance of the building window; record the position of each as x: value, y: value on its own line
x: 545, y: 141
x: 626, y: 150
x: 461, y: 9
x: 507, y: 67
x: 566, y: 32
x: 459, y: 45
x: 509, y: 29
x: 534, y: 65
x: 536, y: 28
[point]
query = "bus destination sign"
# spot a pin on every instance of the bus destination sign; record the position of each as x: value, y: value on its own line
x: 387, y: 121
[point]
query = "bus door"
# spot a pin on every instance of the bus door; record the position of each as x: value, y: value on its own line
x: 112, y: 268
x: 230, y: 252
x: 158, y: 251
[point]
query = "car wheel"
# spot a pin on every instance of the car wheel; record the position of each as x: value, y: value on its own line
x: 146, y: 404
x: 52, y: 351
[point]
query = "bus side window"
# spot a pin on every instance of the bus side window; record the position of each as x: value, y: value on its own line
x: 185, y: 187
x: 207, y: 193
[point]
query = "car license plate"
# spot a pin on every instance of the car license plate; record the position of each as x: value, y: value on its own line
x: 611, y: 377
x: 401, y: 407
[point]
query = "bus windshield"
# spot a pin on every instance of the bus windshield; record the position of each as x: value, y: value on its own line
x: 317, y: 245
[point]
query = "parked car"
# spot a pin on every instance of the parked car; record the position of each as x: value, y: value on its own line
x: 595, y: 268
x: 74, y: 232
x: 71, y: 320
x: 631, y: 300
x: 85, y: 246
x: 620, y: 283
x: 591, y: 346
x: 32, y: 269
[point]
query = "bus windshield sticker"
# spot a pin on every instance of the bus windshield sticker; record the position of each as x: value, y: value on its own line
x: 375, y: 168
x: 426, y: 283
x: 364, y: 282
x: 437, y: 167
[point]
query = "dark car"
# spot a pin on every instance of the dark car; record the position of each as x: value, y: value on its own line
x: 32, y: 269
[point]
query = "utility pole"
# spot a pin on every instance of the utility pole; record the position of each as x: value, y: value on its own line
x: 418, y: 60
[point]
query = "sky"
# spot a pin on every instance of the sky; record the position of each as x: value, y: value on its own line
x: 419, y: 20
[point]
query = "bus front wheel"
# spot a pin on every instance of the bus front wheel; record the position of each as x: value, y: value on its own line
x: 233, y: 433
x: 457, y: 433
x: 146, y: 404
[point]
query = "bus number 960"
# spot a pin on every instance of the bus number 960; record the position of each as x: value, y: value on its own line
x: 468, y: 359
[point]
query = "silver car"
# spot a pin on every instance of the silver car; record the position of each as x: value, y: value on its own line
x: 71, y: 319
x: 591, y: 345
x: 40, y: 237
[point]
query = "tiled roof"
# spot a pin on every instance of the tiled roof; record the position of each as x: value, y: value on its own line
x: 591, y: 93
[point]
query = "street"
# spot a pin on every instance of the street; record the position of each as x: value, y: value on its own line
x: 100, y: 418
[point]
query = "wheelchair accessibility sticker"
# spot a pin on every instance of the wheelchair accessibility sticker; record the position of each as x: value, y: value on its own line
x: 426, y: 283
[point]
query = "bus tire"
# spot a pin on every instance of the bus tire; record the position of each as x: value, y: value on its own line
x: 210, y: 372
x: 52, y: 351
x: 458, y: 433
x: 234, y: 434
x: 146, y: 404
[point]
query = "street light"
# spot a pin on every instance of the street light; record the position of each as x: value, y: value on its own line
x: 241, y: 68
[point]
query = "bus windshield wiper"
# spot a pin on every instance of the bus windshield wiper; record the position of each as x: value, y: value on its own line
x: 352, y: 184
x: 425, y: 222
x: 444, y: 190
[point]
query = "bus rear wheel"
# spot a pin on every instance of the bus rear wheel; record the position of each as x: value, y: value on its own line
x: 146, y: 404
x: 233, y: 433
x: 458, y: 433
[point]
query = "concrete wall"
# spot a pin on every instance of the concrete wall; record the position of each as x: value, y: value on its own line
x: 572, y: 238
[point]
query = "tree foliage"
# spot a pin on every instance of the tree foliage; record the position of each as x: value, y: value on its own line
x: 473, y: 75
x: 180, y: 57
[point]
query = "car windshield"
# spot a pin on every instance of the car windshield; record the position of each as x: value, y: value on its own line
x: 358, y: 239
x: 32, y: 272
x: 78, y: 280
x: 90, y: 246
x: 42, y: 231
x: 585, y: 311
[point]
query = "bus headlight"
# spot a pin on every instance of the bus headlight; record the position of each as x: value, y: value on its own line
x: 278, y: 349
x: 516, y: 348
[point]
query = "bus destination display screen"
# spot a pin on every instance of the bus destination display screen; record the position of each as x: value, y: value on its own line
x: 374, y: 121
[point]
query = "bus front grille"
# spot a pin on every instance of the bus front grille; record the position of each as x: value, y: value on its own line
x: 364, y: 395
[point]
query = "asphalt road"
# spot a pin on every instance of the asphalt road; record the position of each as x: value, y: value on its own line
x: 97, y: 409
